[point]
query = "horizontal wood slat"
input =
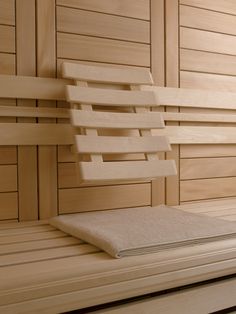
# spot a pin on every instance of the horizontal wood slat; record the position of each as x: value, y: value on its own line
x: 33, y: 112
x: 200, y: 61
x: 8, y: 178
x: 113, y: 120
x: 98, y: 96
x: 132, y: 8
x: 7, y: 63
x: 199, y: 117
x: 126, y: 170
x: 27, y: 87
x: 71, y: 46
x: 7, y: 39
x: 102, y: 25
x: 226, y: 6
x: 35, y: 134
x: 8, y: 155
x: 101, y: 198
x: 119, y: 145
x: 207, y: 20
x: 207, y: 168
x: 8, y: 205
x: 7, y: 12
x: 111, y: 75
x: 214, y: 150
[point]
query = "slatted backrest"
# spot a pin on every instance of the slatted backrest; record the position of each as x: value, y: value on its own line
x: 88, y: 124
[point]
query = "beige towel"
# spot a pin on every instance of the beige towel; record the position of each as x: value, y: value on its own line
x: 141, y: 230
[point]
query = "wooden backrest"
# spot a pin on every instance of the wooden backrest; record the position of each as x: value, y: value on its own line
x: 88, y: 122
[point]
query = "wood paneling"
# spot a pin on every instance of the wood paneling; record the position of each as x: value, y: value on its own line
x: 8, y: 206
x: 73, y: 46
x: 207, y: 41
x: 132, y: 8
x: 7, y: 39
x: 226, y: 6
x: 223, y: 83
x: 102, y: 25
x: 200, y: 61
x: 207, y: 188
x: 7, y: 63
x: 99, y: 198
x: 7, y: 12
x: 207, y: 168
x: 198, y: 151
x: 8, y: 178
x: 8, y: 155
x: 207, y: 20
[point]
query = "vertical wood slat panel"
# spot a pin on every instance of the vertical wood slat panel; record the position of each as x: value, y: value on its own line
x: 157, y: 11
x: 7, y: 12
x: 26, y: 65
x: 172, y: 80
x: 46, y: 66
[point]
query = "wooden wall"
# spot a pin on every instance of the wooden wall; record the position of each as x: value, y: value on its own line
x: 208, y: 61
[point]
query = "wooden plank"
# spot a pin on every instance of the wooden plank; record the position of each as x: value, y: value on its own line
x: 200, y: 61
x: 157, y: 11
x: 207, y: 20
x: 136, y: 9
x: 28, y: 87
x: 26, y: 230
x: 100, y: 198
x: 119, y: 145
x: 26, y: 65
x: 112, y: 120
x: 8, y: 155
x: 8, y: 206
x: 214, y: 82
x: 214, y: 150
x: 7, y: 39
x: 200, y: 168
x: 105, y: 74
x: 7, y: 12
x: 207, y: 188
x: 37, y: 112
x: 226, y: 6
x: 207, y: 41
x: 102, y: 25
x: 7, y: 63
x: 199, y: 117
x: 35, y: 134
x: 97, y: 96
x: 8, y: 178
x: 46, y: 67
x: 73, y: 46
x: 172, y: 80
x: 126, y: 171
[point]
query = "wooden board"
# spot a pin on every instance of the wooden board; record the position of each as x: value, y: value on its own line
x: 226, y: 6
x: 132, y: 8
x: 207, y: 188
x: 102, y: 25
x: 100, y: 198
x: 200, y: 168
x: 8, y: 205
x: 73, y: 46
x: 7, y: 12
x: 7, y: 39
x: 200, y: 61
x: 7, y: 63
x: 8, y: 178
x: 195, y: 151
x: 8, y: 155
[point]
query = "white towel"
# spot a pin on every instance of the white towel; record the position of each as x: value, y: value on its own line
x: 141, y: 230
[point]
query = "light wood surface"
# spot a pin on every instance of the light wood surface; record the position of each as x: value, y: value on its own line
x: 132, y: 9
x: 7, y: 38
x: 8, y: 178
x: 8, y: 205
x: 7, y: 63
x: 226, y: 6
x: 7, y: 12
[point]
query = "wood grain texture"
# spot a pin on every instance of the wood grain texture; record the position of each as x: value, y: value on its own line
x: 207, y: 188
x: 8, y: 178
x: 102, y: 25
x: 8, y: 205
x: 207, y: 168
x: 100, y: 198
x: 207, y: 20
x: 200, y: 61
x: 226, y: 6
x: 7, y: 63
x: 8, y: 155
x: 197, y: 151
x: 7, y: 12
x: 7, y: 39
x: 73, y: 46
x: 132, y: 8
x: 207, y: 41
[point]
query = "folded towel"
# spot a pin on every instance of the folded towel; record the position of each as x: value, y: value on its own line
x: 141, y: 230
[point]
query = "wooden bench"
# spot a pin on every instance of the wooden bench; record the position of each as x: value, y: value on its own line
x: 46, y: 271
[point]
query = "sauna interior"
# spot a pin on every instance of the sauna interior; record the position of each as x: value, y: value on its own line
x: 65, y: 61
